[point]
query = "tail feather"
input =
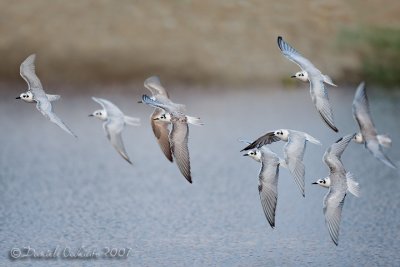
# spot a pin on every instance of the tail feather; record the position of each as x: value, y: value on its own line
x: 384, y: 140
x: 313, y: 140
x: 194, y: 121
x: 132, y: 121
x: 353, y: 186
x: 53, y: 97
x: 328, y: 80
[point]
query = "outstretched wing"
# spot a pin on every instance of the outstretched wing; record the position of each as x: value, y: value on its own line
x: 27, y: 72
x: 294, y: 56
x: 319, y: 96
x: 161, y: 132
x: 154, y: 85
x: 333, y: 204
x: 113, y: 129
x: 45, y: 107
x: 334, y: 152
x: 375, y: 148
x: 179, y: 146
x: 266, y: 139
x: 294, y: 153
x: 268, y: 185
x: 168, y: 107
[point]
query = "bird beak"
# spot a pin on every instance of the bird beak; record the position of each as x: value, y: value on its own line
x: 314, y: 183
x: 293, y: 76
x: 90, y: 115
x: 155, y: 119
x: 140, y: 101
x: 244, y: 155
x: 18, y: 97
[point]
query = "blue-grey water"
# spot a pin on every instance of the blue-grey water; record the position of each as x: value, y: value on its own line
x: 58, y: 192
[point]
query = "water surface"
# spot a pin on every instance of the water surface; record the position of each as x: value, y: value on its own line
x: 60, y: 192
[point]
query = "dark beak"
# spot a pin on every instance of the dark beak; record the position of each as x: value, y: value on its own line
x: 90, y: 115
x: 18, y: 97
x: 314, y: 183
x: 293, y: 76
x: 245, y: 155
x: 140, y: 101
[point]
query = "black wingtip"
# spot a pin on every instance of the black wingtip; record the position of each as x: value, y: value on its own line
x: 340, y: 139
x: 279, y: 40
x: 333, y: 127
x: 189, y: 179
x: 251, y: 146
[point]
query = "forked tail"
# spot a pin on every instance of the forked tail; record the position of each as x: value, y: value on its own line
x: 194, y: 121
x: 384, y: 140
x: 353, y: 186
x: 132, y: 121
x: 313, y: 140
x: 328, y: 80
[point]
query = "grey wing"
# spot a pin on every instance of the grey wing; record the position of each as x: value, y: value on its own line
x: 266, y: 139
x: 362, y: 114
x: 319, y: 96
x: 333, y: 204
x: 112, y: 109
x: 45, y: 107
x: 179, y: 146
x: 375, y: 148
x: 161, y: 132
x: 294, y: 153
x: 113, y: 129
x: 268, y: 188
x: 333, y: 154
x: 27, y: 72
x: 294, y: 56
x: 154, y: 85
x: 168, y: 107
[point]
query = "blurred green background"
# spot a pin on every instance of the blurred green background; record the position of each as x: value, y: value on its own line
x: 226, y: 42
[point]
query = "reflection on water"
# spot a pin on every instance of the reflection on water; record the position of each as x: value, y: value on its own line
x: 58, y: 191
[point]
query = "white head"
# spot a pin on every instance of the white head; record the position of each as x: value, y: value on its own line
x: 27, y: 96
x: 163, y: 117
x: 100, y: 114
x: 324, y: 182
x: 254, y: 154
x: 358, y: 138
x: 301, y: 75
x: 282, y: 134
